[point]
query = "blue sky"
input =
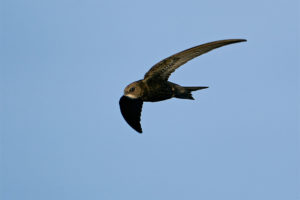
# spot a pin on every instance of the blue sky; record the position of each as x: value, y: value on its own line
x: 64, y: 65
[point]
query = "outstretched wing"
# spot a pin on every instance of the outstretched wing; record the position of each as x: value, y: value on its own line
x: 164, y: 68
x: 131, y: 110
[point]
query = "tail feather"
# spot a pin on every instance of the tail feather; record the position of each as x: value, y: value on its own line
x: 186, y: 92
x: 195, y: 88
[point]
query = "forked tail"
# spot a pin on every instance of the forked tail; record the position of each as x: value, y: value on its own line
x: 186, y: 92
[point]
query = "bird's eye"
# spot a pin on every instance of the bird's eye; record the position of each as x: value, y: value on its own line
x: 132, y: 89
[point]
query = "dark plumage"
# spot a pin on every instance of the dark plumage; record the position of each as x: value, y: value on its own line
x: 156, y: 87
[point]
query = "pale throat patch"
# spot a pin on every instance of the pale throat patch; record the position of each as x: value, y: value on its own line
x: 131, y: 96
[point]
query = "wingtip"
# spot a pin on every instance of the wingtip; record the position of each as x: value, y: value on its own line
x: 232, y: 41
x: 139, y: 130
x: 241, y: 40
x: 235, y: 40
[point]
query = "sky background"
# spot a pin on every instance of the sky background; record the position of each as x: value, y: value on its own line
x: 64, y: 65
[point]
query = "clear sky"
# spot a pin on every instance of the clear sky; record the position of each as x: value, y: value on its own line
x: 64, y: 65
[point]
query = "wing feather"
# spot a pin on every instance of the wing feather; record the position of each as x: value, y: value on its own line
x: 131, y: 110
x: 164, y: 68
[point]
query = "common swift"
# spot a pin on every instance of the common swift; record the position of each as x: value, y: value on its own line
x: 156, y: 87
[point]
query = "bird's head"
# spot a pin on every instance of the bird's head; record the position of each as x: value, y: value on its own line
x: 133, y: 90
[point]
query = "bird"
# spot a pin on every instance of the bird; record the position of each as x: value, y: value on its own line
x: 155, y: 86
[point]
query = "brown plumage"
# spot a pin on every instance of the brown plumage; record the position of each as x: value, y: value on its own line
x: 156, y: 87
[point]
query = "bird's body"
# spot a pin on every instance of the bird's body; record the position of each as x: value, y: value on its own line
x: 153, y: 91
x: 156, y: 87
x: 156, y: 90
